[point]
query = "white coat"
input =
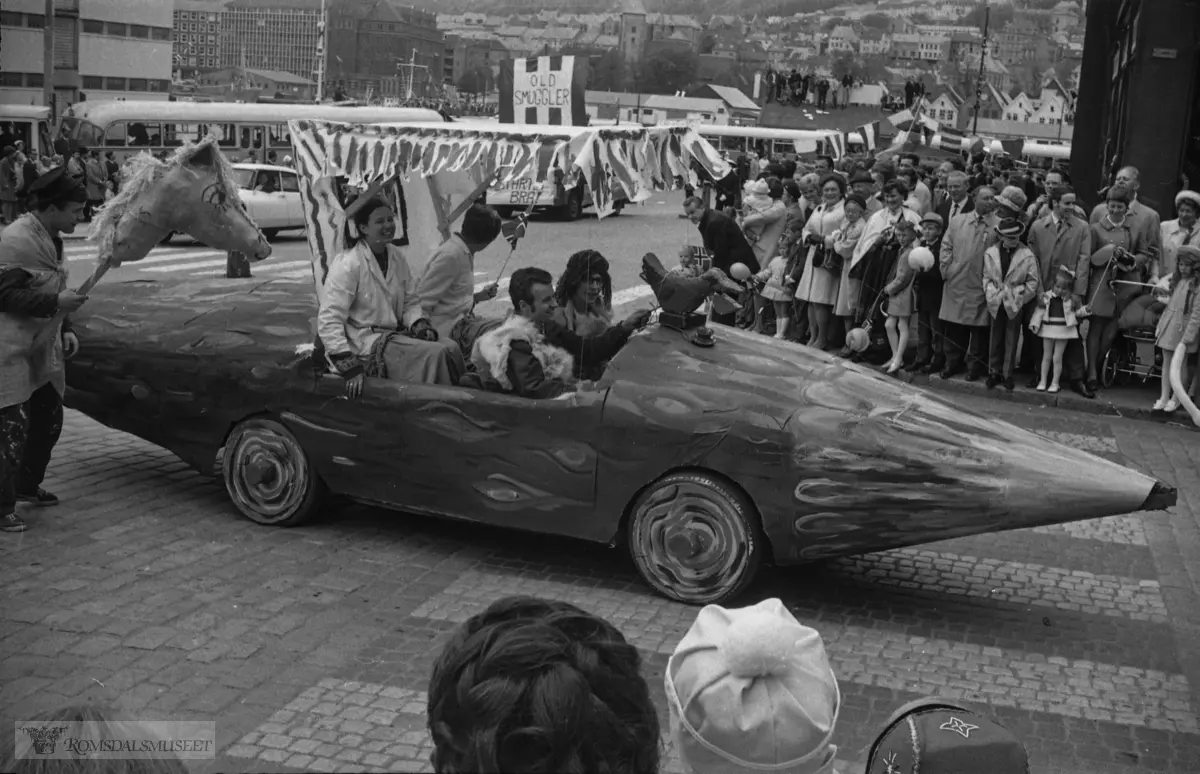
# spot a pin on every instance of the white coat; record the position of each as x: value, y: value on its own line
x: 361, y: 303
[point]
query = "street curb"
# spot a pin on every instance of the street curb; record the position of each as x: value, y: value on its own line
x: 1029, y: 397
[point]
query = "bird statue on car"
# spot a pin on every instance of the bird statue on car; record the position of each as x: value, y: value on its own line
x: 680, y: 295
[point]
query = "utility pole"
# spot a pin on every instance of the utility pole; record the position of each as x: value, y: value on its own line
x: 987, y: 17
x: 48, y: 62
x: 321, y: 55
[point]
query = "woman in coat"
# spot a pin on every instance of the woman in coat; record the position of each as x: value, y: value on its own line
x: 818, y: 285
x: 851, y: 230
x: 371, y: 322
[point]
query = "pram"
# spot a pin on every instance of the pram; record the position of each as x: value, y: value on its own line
x: 1133, y: 356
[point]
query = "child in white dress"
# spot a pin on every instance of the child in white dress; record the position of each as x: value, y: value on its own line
x: 1056, y: 321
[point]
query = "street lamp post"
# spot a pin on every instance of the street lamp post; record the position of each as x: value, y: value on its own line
x: 987, y: 16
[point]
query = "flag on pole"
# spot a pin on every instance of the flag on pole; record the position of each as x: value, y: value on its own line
x: 870, y: 134
x: 837, y: 144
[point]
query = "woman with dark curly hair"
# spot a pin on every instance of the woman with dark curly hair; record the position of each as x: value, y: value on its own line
x: 584, y: 294
x: 535, y: 685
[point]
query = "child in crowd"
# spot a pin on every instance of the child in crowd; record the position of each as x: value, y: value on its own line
x: 755, y: 201
x: 1056, y: 321
x: 1180, y: 322
x: 899, y: 291
x: 542, y: 687
x: 1010, y: 280
x: 752, y: 690
x: 776, y: 288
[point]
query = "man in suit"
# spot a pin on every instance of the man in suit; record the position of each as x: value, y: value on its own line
x: 1060, y: 239
x: 957, y: 199
x: 723, y: 238
x: 1041, y: 207
x: 964, y: 311
x: 1144, y: 219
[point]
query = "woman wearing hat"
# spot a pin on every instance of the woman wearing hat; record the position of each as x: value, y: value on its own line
x: 1010, y: 280
x: 1184, y: 230
x: 1119, y: 256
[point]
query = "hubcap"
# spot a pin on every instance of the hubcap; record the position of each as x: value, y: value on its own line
x: 269, y: 475
x: 691, y: 542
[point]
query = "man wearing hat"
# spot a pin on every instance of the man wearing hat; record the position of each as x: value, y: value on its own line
x: 35, y: 340
x: 863, y: 184
x: 931, y: 356
x: 964, y: 306
x: 1010, y: 204
x: 1010, y: 281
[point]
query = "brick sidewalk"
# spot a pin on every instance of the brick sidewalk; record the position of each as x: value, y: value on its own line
x: 312, y: 646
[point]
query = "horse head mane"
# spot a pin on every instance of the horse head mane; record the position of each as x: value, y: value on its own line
x: 141, y: 174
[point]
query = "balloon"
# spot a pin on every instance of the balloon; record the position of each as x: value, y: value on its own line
x: 921, y: 259
x: 858, y: 340
x: 740, y: 272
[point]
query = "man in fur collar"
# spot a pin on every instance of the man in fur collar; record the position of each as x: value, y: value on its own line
x: 532, y: 356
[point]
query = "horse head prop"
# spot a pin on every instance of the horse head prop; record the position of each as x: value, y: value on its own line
x: 194, y: 193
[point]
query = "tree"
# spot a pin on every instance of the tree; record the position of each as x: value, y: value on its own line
x: 878, y: 21
x: 707, y: 43
x: 605, y: 71
x: 667, y: 71
x: 848, y: 64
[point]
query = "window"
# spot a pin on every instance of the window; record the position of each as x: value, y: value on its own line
x: 93, y: 82
x: 35, y: 21
x: 160, y: 33
x: 291, y: 184
x: 139, y: 31
x: 116, y: 136
x: 118, y: 29
x: 92, y: 26
x: 11, y: 79
x: 145, y: 134
x: 138, y: 84
x: 175, y: 135
x: 12, y: 19
x: 114, y: 84
x: 34, y: 80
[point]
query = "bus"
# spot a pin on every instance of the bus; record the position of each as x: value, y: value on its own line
x: 28, y: 123
x: 784, y: 143
x: 245, y: 132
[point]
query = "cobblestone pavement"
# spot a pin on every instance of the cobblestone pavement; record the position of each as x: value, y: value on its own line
x: 312, y: 647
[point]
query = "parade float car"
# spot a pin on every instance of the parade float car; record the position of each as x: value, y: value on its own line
x: 703, y: 457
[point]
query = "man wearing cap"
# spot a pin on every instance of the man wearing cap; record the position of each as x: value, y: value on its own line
x: 1058, y: 239
x: 1010, y: 205
x: 1141, y: 219
x: 931, y: 356
x: 35, y: 340
x: 863, y: 184
x: 964, y: 308
x: 1010, y: 281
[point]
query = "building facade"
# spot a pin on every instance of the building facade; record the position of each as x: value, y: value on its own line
x: 195, y: 36
x: 379, y: 46
x: 270, y: 35
x: 102, y: 50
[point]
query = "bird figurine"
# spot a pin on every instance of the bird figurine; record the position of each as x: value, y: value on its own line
x: 682, y: 295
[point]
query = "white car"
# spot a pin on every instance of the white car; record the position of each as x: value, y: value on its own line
x: 272, y: 197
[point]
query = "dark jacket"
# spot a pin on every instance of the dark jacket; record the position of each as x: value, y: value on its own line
x: 723, y: 238
x: 529, y: 379
x: 943, y: 209
x: 17, y: 299
x: 929, y: 283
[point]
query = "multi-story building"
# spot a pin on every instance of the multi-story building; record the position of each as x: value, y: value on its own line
x: 195, y: 35
x: 664, y: 26
x: 964, y: 45
x: 1017, y: 42
x: 634, y: 35
x: 380, y: 45
x: 102, y: 50
x: 874, y: 43
x: 270, y: 35
x: 842, y: 40
x: 926, y: 48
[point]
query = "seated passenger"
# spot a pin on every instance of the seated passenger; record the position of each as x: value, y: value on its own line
x: 584, y: 294
x: 447, y: 284
x: 531, y: 355
x: 371, y: 321
x: 265, y: 183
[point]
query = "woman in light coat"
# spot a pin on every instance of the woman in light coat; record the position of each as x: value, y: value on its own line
x: 768, y: 224
x: 371, y: 322
x: 819, y: 285
x: 848, y: 234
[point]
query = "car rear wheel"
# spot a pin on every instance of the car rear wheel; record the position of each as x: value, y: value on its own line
x: 695, y: 538
x: 573, y: 209
x: 268, y: 476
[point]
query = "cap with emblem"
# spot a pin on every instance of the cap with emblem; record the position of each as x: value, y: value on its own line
x: 57, y: 187
x: 932, y: 736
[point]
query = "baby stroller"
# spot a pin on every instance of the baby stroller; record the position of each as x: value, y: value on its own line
x: 1133, y: 356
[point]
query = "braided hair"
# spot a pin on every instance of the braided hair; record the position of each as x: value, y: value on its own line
x: 535, y: 685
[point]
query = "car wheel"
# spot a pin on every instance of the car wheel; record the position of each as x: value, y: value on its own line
x: 573, y: 209
x: 270, y: 233
x: 268, y: 476
x: 695, y: 538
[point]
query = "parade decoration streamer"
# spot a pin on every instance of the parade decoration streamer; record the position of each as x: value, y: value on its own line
x: 438, y: 163
x: 1185, y: 400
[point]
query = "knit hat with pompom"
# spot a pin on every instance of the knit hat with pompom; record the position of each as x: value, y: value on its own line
x: 752, y: 688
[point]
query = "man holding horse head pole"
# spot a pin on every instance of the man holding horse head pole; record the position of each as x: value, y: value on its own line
x: 35, y: 340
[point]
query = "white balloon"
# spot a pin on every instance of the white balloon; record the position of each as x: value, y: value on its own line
x: 921, y: 259
x: 739, y: 271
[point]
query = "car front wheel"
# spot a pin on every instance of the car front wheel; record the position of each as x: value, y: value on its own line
x: 268, y: 476
x: 695, y: 538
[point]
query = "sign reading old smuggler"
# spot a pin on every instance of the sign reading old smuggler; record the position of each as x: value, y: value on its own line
x: 543, y: 90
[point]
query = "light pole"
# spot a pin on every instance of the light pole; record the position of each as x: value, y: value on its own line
x: 987, y: 16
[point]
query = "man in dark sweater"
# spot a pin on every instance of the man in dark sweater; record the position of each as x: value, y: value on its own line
x: 723, y: 238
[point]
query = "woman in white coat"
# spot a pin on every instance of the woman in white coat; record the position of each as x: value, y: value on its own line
x: 371, y: 322
x: 818, y: 285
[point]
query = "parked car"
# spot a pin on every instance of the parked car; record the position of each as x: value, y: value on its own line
x: 704, y: 462
x: 272, y: 196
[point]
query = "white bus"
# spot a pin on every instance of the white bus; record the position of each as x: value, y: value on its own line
x: 245, y: 132
x: 28, y: 123
x: 787, y: 143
